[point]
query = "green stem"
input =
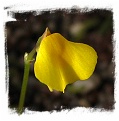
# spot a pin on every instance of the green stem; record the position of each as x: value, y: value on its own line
x: 24, y: 86
x: 27, y: 59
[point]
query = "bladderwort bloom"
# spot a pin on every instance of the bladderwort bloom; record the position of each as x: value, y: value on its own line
x: 60, y: 62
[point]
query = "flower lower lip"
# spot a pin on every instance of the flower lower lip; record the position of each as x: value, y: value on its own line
x: 60, y: 62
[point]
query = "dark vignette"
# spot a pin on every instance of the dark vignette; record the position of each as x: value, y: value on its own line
x: 21, y: 36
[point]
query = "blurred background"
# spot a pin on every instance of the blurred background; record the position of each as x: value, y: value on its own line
x: 94, y: 28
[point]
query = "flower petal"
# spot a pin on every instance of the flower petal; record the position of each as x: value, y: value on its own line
x: 60, y: 62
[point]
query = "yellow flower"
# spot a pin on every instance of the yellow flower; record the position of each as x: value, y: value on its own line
x: 60, y: 62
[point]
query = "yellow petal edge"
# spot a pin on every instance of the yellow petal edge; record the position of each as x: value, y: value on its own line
x: 60, y: 62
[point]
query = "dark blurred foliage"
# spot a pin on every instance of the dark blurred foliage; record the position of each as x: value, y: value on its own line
x: 94, y: 28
